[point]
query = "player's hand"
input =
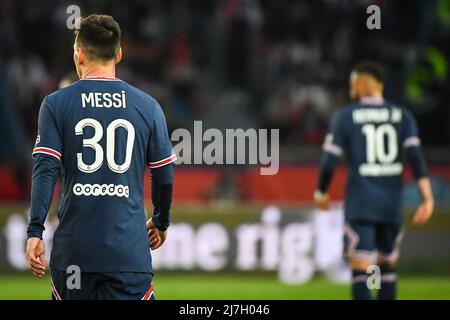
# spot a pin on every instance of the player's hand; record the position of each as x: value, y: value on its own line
x: 35, y: 256
x: 423, y: 213
x: 322, y: 200
x: 156, y: 237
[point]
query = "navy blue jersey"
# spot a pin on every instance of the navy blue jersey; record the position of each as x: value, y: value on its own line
x: 373, y: 136
x: 105, y: 133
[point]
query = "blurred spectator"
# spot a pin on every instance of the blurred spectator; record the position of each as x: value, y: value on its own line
x: 278, y: 64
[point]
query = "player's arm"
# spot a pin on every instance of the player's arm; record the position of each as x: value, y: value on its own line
x: 417, y: 162
x: 162, y: 186
x: 45, y: 172
x: 160, y: 159
x: 416, y: 159
x: 326, y: 170
x: 333, y: 151
x: 425, y: 210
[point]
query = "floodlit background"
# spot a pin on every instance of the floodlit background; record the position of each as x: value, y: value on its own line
x: 241, y: 64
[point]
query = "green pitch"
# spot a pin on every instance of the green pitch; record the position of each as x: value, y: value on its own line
x: 187, y: 286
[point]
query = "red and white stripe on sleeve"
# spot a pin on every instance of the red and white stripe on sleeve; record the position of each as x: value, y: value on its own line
x: 163, y: 162
x: 48, y: 151
x: 411, y: 142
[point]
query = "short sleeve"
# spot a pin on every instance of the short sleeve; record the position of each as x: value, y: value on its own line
x: 48, y: 139
x: 159, y: 151
x: 334, y: 141
x: 410, y: 131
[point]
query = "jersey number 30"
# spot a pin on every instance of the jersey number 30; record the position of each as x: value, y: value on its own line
x: 93, y: 143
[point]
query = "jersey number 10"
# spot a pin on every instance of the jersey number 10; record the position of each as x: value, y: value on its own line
x: 375, y: 143
x: 93, y: 143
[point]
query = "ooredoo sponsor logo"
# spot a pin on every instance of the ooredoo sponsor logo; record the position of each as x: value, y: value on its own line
x: 101, y: 190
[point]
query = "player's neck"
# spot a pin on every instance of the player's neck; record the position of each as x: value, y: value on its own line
x: 104, y: 71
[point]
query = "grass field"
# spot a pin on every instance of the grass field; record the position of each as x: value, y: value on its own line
x: 221, y: 286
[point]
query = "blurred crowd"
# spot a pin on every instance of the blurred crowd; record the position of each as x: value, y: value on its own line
x: 251, y: 63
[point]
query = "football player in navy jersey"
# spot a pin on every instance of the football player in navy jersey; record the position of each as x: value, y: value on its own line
x: 377, y: 138
x: 100, y: 134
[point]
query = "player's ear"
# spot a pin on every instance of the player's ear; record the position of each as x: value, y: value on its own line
x: 119, y: 55
x: 361, y: 84
x: 80, y: 56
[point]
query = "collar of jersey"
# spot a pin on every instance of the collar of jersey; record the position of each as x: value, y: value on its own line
x: 377, y: 101
x: 101, y: 78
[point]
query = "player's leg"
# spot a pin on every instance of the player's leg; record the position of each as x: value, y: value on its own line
x: 126, y: 286
x: 359, y: 251
x: 388, y: 241
x: 66, y: 287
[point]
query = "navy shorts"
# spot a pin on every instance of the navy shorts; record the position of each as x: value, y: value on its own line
x: 102, y: 286
x: 375, y: 241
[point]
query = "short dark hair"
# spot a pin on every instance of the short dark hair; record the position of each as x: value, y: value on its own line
x: 371, y: 68
x: 99, y: 36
